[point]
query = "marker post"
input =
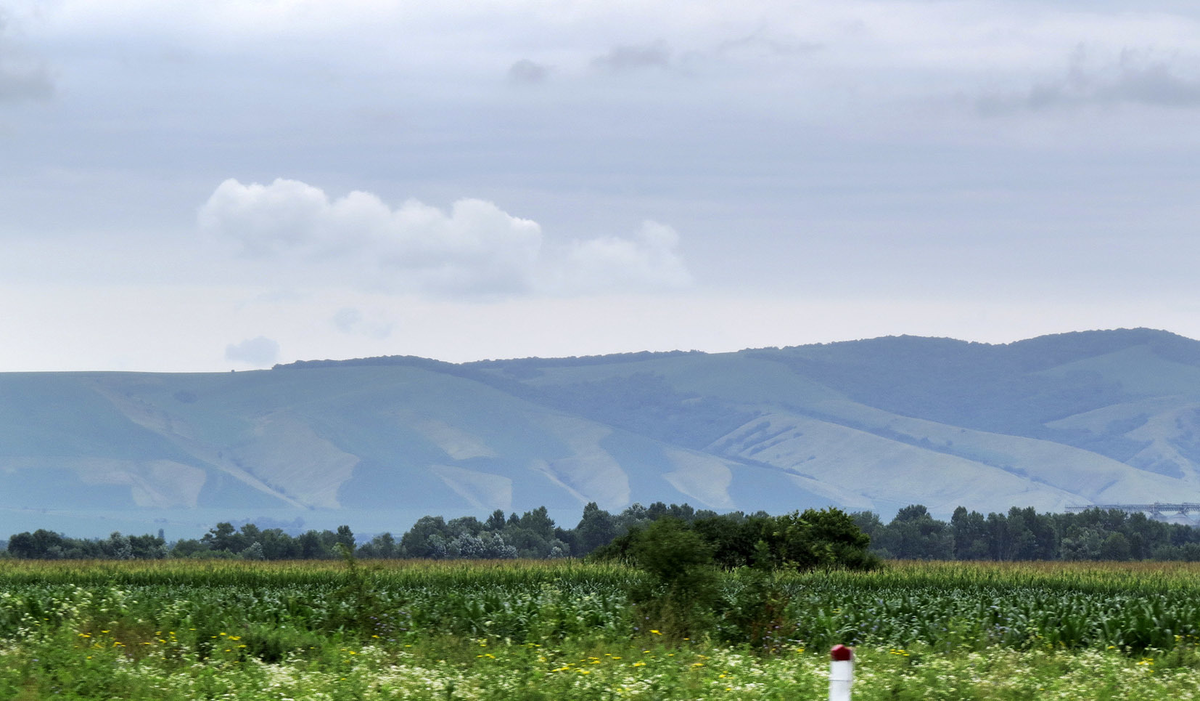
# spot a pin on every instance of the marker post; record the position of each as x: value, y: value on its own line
x: 841, y: 672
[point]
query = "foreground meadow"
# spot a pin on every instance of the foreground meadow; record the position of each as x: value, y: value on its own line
x: 536, y: 630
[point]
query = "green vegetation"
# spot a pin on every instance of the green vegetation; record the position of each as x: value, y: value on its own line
x: 814, y: 538
x: 563, y: 630
x: 821, y: 538
x: 1024, y: 534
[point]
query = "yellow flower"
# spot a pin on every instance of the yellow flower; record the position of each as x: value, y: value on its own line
x: 655, y: 632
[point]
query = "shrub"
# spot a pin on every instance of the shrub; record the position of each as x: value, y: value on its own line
x: 680, y: 591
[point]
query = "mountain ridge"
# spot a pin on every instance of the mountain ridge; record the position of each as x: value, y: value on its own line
x: 1054, y: 421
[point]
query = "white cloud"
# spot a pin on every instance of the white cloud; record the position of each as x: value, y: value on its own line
x: 259, y: 352
x: 648, y: 261
x: 474, y: 249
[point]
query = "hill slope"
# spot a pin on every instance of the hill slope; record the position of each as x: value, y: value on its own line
x: 1059, y: 420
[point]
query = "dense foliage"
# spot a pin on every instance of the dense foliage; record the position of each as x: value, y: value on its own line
x: 814, y: 538
x: 1024, y: 534
x: 529, y: 535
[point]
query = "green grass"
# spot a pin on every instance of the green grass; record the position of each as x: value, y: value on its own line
x: 535, y: 630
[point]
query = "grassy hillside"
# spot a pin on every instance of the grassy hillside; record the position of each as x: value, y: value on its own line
x: 1060, y: 420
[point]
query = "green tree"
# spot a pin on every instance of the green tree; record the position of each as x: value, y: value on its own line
x: 418, y: 541
x: 970, y: 535
x: 595, y: 529
x: 1116, y: 547
x: 345, y: 538
x: 915, y: 535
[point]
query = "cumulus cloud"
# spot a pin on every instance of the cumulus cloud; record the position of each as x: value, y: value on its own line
x: 351, y: 321
x: 526, y: 72
x: 627, y: 59
x: 1133, y: 78
x: 259, y: 352
x: 474, y: 249
x: 650, y: 260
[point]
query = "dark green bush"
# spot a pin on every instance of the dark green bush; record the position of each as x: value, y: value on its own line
x: 680, y: 593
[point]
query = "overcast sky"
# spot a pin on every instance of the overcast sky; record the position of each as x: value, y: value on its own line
x: 215, y: 185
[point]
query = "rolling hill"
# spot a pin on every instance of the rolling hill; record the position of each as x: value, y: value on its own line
x: 1070, y: 419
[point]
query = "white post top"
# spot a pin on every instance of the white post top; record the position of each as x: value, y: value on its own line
x: 841, y: 673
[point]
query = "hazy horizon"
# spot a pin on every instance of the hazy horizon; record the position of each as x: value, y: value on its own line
x: 593, y: 355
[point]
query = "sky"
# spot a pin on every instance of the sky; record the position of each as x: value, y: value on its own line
x: 229, y: 184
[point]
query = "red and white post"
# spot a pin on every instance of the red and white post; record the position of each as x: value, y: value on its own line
x: 841, y: 672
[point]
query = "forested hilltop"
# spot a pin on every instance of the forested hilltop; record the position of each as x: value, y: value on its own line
x: 736, y: 539
x: 1096, y: 417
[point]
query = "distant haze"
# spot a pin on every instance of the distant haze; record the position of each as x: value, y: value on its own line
x: 1050, y: 422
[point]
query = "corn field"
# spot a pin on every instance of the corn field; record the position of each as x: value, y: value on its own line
x: 181, y: 629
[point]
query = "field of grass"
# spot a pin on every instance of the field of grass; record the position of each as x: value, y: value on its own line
x: 537, y: 630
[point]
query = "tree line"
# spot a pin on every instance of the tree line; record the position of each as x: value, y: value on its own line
x: 735, y: 539
x: 532, y: 534
x: 1024, y: 534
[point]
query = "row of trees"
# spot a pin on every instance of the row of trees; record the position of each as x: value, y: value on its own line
x: 532, y: 534
x: 47, y: 545
x: 814, y: 538
x: 735, y: 539
x: 223, y: 541
x: 1024, y: 534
